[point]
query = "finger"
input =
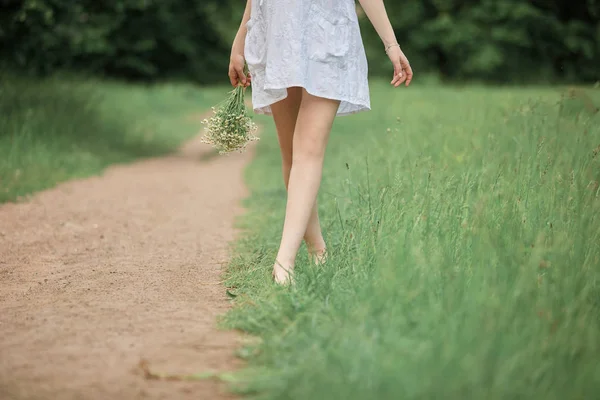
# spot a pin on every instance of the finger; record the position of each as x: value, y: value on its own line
x: 232, y: 77
x: 248, y: 79
x: 397, y: 73
x: 241, y: 75
x: 402, y: 79
x: 409, y: 75
x: 398, y: 82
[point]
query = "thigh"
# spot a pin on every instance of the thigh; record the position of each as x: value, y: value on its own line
x: 315, y: 119
x: 285, y: 114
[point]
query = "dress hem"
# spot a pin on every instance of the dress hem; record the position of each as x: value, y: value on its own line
x: 265, y: 109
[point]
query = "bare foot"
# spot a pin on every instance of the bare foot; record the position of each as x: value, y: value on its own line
x: 317, y: 252
x: 318, y: 257
x: 282, y: 275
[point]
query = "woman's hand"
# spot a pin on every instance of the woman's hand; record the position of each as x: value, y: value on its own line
x: 237, y: 60
x: 236, y: 71
x: 402, y: 70
x: 377, y: 14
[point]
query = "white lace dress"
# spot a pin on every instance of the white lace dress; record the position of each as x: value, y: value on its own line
x: 314, y: 44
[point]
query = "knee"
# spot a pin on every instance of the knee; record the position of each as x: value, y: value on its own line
x: 308, y: 151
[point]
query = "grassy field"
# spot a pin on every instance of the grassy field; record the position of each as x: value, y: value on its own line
x: 464, y: 231
x: 57, y: 129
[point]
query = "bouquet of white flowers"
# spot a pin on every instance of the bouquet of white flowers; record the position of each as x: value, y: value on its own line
x: 230, y: 128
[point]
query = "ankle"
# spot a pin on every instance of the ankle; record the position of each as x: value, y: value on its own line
x: 285, y: 263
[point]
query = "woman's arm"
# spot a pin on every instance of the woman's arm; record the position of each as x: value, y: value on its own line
x: 236, y: 60
x: 377, y: 14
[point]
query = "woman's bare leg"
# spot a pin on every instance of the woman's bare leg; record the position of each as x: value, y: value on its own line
x: 285, y: 115
x: 311, y: 133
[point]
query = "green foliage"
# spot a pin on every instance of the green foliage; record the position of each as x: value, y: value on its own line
x: 52, y: 130
x: 464, y: 254
x: 505, y: 41
x: 139, y: 39
x: 492, y: 40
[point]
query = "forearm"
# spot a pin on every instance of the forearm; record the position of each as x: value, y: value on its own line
x: 377, y: 14
x: 240, y: 37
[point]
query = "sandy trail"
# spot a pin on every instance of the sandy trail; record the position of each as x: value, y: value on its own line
x: 97, y: 274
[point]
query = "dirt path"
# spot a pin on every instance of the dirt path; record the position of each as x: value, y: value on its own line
x: 100, y: 273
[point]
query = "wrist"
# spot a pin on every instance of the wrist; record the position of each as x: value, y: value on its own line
x: 390, y: 46
x: 389, y: 40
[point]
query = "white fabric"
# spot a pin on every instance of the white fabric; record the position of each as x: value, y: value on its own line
x: 315, y: 44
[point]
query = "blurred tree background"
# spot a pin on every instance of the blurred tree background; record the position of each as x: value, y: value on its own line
x: 489, y: 40
x: 501, y: 40
x: 132, y: 39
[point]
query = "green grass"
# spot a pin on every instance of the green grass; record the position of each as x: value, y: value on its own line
x: 464, y: 231
x: 57, y: 129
